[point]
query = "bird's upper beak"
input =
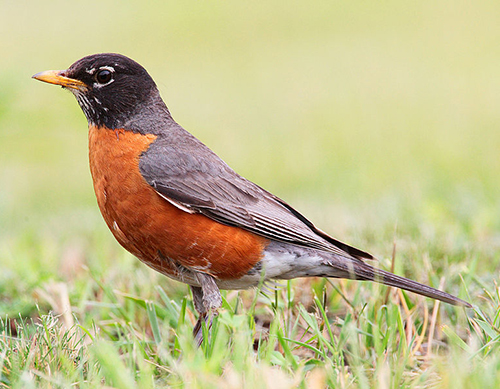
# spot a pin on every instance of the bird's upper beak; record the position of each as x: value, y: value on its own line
x: 57, y: 77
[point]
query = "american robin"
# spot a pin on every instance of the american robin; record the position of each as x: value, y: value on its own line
x: 175, y: 205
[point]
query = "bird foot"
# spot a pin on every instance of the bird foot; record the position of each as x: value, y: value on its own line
x: 207, y: 301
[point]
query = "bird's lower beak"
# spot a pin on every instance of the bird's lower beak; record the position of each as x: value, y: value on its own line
x: 57, y: 77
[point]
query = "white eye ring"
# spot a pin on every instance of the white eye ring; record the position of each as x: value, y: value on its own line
x: 104, y: 76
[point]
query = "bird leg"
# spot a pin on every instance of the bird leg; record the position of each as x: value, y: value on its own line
x: 207, y: 300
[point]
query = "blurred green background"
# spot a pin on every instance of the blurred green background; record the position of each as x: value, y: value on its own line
x: 364, y: 115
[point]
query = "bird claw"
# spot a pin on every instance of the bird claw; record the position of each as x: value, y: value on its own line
x: 207, y: 301
x: 205, y: 320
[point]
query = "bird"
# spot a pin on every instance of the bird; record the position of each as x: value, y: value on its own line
x: 179, y: 208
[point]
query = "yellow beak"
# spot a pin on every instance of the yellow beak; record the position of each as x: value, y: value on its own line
x: 56, y: 77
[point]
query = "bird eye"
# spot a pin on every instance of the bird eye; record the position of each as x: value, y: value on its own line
x: 104, y: 76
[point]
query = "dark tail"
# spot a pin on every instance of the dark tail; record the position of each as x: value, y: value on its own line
x: 364, y: 272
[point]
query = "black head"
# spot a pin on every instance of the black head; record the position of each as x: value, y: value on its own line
x: 110, y: 88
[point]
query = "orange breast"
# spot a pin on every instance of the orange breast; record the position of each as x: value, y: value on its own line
x: 146, y: 224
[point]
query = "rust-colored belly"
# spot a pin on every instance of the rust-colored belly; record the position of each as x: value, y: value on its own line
x: 158, y: 233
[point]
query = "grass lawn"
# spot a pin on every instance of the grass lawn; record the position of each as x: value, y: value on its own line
x: 380, y: 122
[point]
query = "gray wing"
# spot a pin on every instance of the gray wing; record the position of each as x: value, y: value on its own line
x: 196, y: 180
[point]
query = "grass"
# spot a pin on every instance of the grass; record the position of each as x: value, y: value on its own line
x: 379, y: 122
x: 276, y: 342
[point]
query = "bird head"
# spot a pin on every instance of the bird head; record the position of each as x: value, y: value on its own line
x: 110, y: 88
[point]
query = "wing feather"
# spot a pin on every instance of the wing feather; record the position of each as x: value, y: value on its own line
x: 203, y: 183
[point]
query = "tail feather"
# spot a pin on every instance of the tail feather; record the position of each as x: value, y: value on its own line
x: 365, y: 272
